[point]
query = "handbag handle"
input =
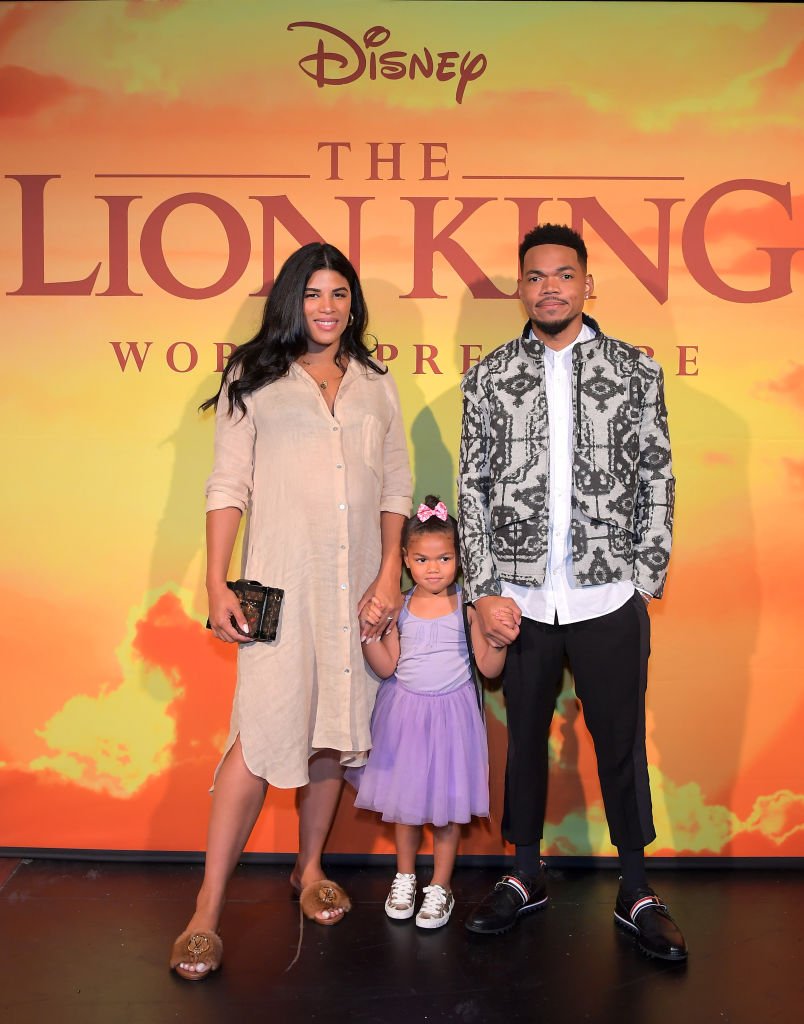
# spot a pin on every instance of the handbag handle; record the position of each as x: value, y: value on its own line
x: 477, y: 679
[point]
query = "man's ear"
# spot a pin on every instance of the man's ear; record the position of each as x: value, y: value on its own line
x: 590, y: 286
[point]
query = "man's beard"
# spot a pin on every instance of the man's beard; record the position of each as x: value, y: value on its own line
x: 552, y: 327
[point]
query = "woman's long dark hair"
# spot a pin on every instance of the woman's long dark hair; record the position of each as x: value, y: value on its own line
x: 282, y: 336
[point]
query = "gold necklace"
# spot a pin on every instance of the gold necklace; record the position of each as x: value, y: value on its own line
x: 323, y: 384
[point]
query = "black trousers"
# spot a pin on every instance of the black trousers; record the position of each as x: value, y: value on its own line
x: 609, y: 660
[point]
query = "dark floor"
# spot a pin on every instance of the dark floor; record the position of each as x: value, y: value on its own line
x: 86, y: 942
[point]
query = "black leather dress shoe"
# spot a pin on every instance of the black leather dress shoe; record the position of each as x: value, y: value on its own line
x: 642, y: 913
x: 515, y: 894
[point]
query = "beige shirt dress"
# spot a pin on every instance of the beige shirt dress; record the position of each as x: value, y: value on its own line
x: 313, y: 485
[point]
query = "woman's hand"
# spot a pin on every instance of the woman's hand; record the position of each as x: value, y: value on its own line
x: 223, y: 607
x: 378, y: 609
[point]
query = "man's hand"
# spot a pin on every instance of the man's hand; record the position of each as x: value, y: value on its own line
x: 499, y: 619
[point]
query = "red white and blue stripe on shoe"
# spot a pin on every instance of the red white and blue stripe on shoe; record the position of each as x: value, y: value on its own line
x: 645, y: 901
x: 517, y: 885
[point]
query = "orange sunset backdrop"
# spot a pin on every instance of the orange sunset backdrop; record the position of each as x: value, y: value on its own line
x: 182, y: 150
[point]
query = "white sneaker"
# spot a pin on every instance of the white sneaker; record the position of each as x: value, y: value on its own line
x: 401, y: 898
x: 436, y: 907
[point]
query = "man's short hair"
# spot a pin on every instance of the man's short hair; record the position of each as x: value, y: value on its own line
x: 554, y: 234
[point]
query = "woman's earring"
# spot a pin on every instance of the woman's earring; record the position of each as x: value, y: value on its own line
x: 351, y: 320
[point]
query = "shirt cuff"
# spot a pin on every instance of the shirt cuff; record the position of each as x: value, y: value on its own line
x: 220, y: 499
x: 396, y: 504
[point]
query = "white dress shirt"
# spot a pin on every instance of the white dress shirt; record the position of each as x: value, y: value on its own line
x: 560, y: 597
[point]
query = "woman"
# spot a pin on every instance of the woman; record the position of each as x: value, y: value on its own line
x: 310, y: 442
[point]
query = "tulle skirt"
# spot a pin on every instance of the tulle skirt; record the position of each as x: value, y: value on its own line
x: 428, y: 760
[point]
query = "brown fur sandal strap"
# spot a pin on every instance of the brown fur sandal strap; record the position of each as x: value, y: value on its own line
x: 195, y: 948
x: 322, y: 896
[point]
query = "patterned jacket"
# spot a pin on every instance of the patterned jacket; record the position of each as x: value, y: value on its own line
x: 623, y: 485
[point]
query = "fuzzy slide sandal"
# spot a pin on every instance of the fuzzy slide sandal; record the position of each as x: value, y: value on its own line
x: 196, y: 948
x: 324, y: 897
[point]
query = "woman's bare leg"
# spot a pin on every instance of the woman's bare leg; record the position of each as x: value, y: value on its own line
x: 236, y: 803
x: 318, y: 802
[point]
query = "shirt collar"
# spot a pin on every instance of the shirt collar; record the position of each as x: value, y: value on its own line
x: 588, y: 332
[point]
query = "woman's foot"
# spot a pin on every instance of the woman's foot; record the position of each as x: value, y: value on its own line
x: 196, y: 953
x: 322, y: 909
x: 199, y: 958
x: 324, y: 902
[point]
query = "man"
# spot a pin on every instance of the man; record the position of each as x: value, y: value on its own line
x: 566, y: 508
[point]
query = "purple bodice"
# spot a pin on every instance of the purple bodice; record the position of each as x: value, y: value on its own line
x: 434, y: 657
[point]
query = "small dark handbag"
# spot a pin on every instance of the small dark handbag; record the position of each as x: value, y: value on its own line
x: 261, y: 606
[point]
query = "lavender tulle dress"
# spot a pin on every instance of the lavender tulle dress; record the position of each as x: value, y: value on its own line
x: 429, y: 755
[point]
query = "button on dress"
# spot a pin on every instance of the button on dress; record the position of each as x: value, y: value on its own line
x: 313, y: 485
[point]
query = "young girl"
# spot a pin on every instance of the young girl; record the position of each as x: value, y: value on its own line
x: 429, y: 757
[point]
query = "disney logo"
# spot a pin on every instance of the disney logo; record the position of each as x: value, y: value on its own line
x: 347, y: 60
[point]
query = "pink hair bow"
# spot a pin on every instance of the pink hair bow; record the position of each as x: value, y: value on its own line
x: 423, y: 512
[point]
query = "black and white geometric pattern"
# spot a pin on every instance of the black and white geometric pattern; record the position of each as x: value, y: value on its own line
x: 623, y: 484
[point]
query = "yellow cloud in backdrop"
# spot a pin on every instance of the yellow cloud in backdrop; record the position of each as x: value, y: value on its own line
x: 684, y: 821
x: 115, y: 741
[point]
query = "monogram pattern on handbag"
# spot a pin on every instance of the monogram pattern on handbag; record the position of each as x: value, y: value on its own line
x: 623, y: 485
x: 260, y: 606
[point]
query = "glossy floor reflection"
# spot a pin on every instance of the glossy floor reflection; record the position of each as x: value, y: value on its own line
x: 87, y: 942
